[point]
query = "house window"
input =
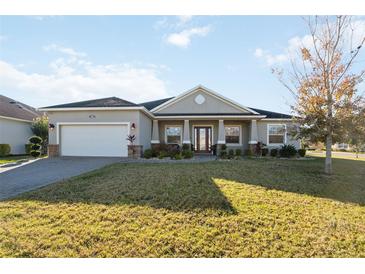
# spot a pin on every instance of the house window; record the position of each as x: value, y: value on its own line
x: 173, y: 134
x: 232, y: 134
x: 276, y: 134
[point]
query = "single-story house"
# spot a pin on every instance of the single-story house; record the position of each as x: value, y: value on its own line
x: 15, y: 123
x: 200, y: 117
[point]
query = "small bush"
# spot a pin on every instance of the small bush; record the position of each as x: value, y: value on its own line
x: 163, y: 154
x: 287, y: 151
x: 187, y: 154
x: 178, y: 157
x: 147, y: 153
x: 301, y: 152
x: 4, y: 150
x: 224, y: 147
x: 248, y: 152
x: 230, y: 154
x: 35, y: 153
x: 264, y: 151
x: 35, y: 140
x: 173, y: 152
x: 214, y: 149
x: 28, y: 148
x: 274, y: 152
x: 186, y: 147
x: 238, y: 152
x: 223, y: 154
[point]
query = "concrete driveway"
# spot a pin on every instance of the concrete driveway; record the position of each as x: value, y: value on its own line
x: 47, y: 171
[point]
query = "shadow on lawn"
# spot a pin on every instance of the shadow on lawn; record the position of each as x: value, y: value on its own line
x: 160, y: 186
x: 347, y: 184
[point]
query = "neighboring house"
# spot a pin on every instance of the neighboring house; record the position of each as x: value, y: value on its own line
x: 341, y: 146
x: 199, y: 117
x: 15, y: 123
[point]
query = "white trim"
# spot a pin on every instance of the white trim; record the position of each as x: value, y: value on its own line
x: 252, y: 142
x: 143, y: 109
x: 193, y: 126
x: 155, y: 141
x: 220, y: 117
x: 267, y: 135
x: 16, y: 119
x: 86, y: 123
x: 240, y: 136
x: 276, y: 119
x: 186, y: 142
x: 220, y: 142
x: 181, y: 137
x: 206, y: 90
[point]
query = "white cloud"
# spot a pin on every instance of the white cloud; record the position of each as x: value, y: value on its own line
x: 295, y: 43
x: 64, y: 50
x: 183, y: 19
x: 183, y: 39
x: 75, y: 78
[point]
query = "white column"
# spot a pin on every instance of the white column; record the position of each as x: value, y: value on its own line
x: 155, y: 133
x: 186, y: 139
x: 253, y: 133
x: 221, y: 134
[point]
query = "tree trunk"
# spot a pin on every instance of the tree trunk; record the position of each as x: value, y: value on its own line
x: 328, y: 162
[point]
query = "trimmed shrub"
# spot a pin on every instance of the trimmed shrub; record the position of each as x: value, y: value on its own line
x: 214, y: 149
x: 187, y: 154
x: 224, y: 147
x: 248, y: 152
x: 28, y: 148
x: 264, y: 151
x: 287, y: 151
x: 35, y: 140
x: 173, y: 151
x: 238, y: 152
x: 301, y: 152
x: 4, y: 150
x: 35, y: 153
x: 274, y: 152
x: 230, y: 154
x: 147, y: 153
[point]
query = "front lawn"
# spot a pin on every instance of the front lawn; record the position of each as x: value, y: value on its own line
x: 13, y: 159
x: 247, y: 208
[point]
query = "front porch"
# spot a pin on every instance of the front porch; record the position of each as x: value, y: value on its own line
x: 205, y: 136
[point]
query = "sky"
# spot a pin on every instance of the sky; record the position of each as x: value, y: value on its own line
x: 48, y: 60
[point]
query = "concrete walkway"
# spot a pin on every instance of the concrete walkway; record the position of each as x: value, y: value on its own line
x: 47, y: 171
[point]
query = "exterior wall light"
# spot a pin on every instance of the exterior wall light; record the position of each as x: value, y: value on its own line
x: 51, y: 126
x: 133, y: 126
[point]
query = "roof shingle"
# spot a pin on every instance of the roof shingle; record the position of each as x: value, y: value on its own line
x: 103, y: 102
x: 14, y: 109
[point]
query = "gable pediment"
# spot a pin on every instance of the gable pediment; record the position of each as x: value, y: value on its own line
x: 201, y: 100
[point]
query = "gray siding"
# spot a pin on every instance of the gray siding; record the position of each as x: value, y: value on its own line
x: 15, y: 133
x: 131, y: 116
x: 145, y: 132
x: 211, y: 105
x: 262, y: 133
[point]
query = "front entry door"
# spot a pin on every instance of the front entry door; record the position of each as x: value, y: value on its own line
x: 203, y: 139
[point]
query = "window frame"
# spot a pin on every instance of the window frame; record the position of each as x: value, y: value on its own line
x: 268, y: 135
x: 239, y: 136
x: 181, y: 134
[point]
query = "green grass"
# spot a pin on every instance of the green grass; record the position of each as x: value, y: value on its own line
x: 248, y: 208
x: 13, y: 159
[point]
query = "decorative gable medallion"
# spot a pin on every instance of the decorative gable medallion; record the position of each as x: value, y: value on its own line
x: 199, y: 99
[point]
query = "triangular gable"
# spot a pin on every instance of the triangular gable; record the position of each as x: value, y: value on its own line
x: 201, y: 100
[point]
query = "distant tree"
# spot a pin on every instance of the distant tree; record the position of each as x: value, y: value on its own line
x: 355, y: 129
x: 40, y: 128
x: 323, y: 82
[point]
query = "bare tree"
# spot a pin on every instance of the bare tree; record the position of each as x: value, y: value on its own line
x: 322, y: 80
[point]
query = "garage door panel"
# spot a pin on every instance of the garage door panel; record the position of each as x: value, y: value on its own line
x: 94, y: 140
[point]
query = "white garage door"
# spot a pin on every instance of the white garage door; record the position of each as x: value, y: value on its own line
x: 94, y: 140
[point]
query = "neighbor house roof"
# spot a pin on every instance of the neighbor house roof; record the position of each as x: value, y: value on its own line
x: 103, y: 102
x: 14, y: 109
x: 272, y: 115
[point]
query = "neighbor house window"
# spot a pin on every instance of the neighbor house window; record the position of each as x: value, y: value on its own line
x: 232, y: 134
x: 276, y: 134
x: 173, y: 135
